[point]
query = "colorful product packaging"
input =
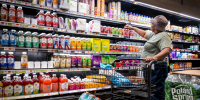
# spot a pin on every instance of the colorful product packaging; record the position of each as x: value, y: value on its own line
x: 61, y: 22
x: 67, y: 23
x: 73, y: 6
x: 81, y: 24
x: 105, y: 59
x: 96, y: 60
x: 105, y: 44
x: 65, y: 4
x: 112, y: 58
x: 96, y: 44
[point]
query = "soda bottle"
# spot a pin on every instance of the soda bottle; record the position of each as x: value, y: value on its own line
x: 8, y: 87
x: 36, y: 84
x: 28, y: 86
x: 54, y: 83
x: 18, y: 86
x: 47, y: 85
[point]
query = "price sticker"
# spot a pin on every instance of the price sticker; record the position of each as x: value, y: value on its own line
x: 9, y: 23
x: 18, y: 2
x: 17, y: 24
x: 87, y: 51
x: 9, y: 49
x: 48, y: 28
x: 62, y: 30
x: 121, y: 36
x: 26, y: 3
x: 78, y: 51
x: 51, y: 50
x: 40, y: 6
x: 131, y: 37
x: 2, y: 23
x: 109, y: 35
x: 98, y: 52
x: 33, y: 50
x: 66, y: 51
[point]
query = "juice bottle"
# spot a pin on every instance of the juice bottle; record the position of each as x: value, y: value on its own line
x: 55, y: 4
x: 61, y: 42
x: 82, y: 84
x: 91, y: 84
x: 78, y: 85
x: 4, y: 78
x: 87, y: 85
x: 8, y: 87
x: 61, y: 76
x: 88, y: 44
x: 41, y: 83
x: 56, y: 60
x: 67, y: 42
x: 47, y: 86
x: 54, y: 80
x: 18, y: 87
x: 62, y: 61
x: 20, y: 15
x: 28, y: 39
x: 48, y: 19
x: 63, y: 84
x: 36, y: 84
x: 67, y: 61
x: 24, y: 60
x: 41, y: 18
x: 28, y: 86
x: 49, y: 41
x: 125, y: 15
x: 54, y: 19
x: 83, y: 44
x: 70, y: 85
x: 4, y: 12
x: 20, y: 39
x: 122, y: 15
x: 11, y: 60
x: 12, y: 14
x: 34, y: 1
x: 35, y: 40
x: 3, y: 60
x: 78, y: 43
x: 42, y: 2
x: 55, y: 41
x: 43, y: 41
x: 1, y: 89
x: 13, y: 38
x: 48, y: 74
x: 5, y: 38
x: 73, y: 43
x: 49, y: 3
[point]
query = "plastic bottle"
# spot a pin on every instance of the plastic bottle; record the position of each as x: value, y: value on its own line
x: 73, y: 43
x: 87, y: 84
x: 42, y: 2
x: 41, y: 18
x: 49, y: 3
x: 28, y: 86
x: 122, y: 15
x: 5, y: 37
x: 125, y: 15
x: 28, y: 39
x: 89, y: 61
x: 11, y: 60
x: 18, y: 87
x: 12, y: 13
x: 54, y: 83
x: 36, y: 85
x: 61, y: 42
x: 41, y: 83
x: 43, y: 41
x: 3, y: 60
x: 130, y: 17
x: 55, y: 41
x: 78, y: 85
x: 4, y: 12
x: 20, y: 39
x: 82, y: 84
x: 13, y: 38
x: 67, y: 61
x: 24, y: 60
x: 70, y: 85
x: 63, y: 84
x: 61, y: 76
x: 1, y: 89
x: 78, y: 43
x: 20, y: 15
x: 49, y: 41
x: 67, y: 42
x: 8, y: 87
x: 55, y: 4
x: 35, y: 42
x: 34, y: 1
x: 62, y: 61
x: 54, y: 19
x: 48, y: 19
x: 47, y: 87
x: 84, y: 61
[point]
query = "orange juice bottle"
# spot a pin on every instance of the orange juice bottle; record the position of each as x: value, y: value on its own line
x: 133, y: 48
x: 73, y: 43
x: 61, y: 76
x: 78, y: 43
x: 47, y: 85
x: 136, y: 49
x: 63, y: 84
x: 54, y: 80
x: 41, y: 83
x: 87, y: 85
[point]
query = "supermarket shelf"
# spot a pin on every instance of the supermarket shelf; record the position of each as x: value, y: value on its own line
x: 183, y: 33
x: 186, y: 59
x: 29, y: 96
x: 186, y: 50
x: 183, y: 41
x: 14, y: 71
x: 195, y: 68
x: 83, y: 90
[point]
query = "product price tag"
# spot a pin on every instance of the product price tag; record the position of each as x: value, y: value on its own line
x: 40, y: 27
x: 25, y: 25
x: 51, y: 50
x: 98, y: 52
x: 8, y: 72
x: 33, y: 50
x: 33, y: 26
x: 109, y: 35
x: 62, y: 30
x: 48, y: 28
x: 66, y: 51
x: 131, y: 37
x: 9, y: 49
x: 26, y: 3
x: 9, y: 23
x: 17, y: 24
x: 2, y: 23
x: 33, y: 5
x: 87, y: 51
x: 78, y: 51
x: 18, y: 2
x: 121, y: 36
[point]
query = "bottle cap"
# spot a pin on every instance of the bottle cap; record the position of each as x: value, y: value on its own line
x: 24, y: 53
x: 19, y: 7
x: 5, y: 30
x: 10, y: 53
x: 54, y: 75
x: 3, y: 53
x: 12, y: 6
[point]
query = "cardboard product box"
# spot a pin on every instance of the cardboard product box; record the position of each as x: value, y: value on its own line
x: 96, y: 60
x: 65, y: 4
x: 105, y: 59
x: 96, y: 44
x: 81, y: 24
x: 105, y: 44
x: 73, y: 6
x: 94, y: 26
x: 61, y: 22
x: 82, y: 8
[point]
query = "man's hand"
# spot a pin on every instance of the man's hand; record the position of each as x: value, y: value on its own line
x: 128, y: 27
x: 148, y: 59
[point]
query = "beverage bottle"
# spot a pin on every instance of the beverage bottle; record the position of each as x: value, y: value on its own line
x: 91, y: 84
x: 54, y: 19
x: 24, y: 60
x: 47, y: 85
x: 55, y: 4
x: 61, y: 76
x: 78, y: 86
x: 47, y: 74
x: 41, y: 18
x: 67, y: 42
x: 125, y: 15
x: 78, y: 43
x: 36, y: 84
x: 18, y: 86
x: 48, y: 19
x: 70, y: 85
x: 28, y: 39
x: 14, y: 78
x: 28, y: 86
x: 73, y: 43
x: 5, y: 38
x: 12, y: 13
x: 1, y: 89
x: 55, y: 41
x: 87, y: 85
x: 41, y: 83
x: 13, y: 38
x: 11, y: 60
x: 49, y: 41
x: 82, y: 84
x: 43, y: 40
x: 20, y: 15
x: 3, y: 60
x: 4, y: 12
x: 4, y: 78
x: 61, y: 42
x: 63, y: 84
x: 40, y: 76
x: 8, y: 87
x: 20, y: 39
x: 122, y: 15
x: 54, y: 83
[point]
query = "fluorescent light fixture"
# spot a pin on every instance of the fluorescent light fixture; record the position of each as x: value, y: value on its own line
x: 166, y: 10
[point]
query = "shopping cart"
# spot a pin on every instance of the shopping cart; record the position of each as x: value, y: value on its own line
x: 126, y: 76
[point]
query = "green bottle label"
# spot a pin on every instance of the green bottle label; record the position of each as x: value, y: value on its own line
x: 35, y: 42
x: 28, y: 41
x: 21, y: 41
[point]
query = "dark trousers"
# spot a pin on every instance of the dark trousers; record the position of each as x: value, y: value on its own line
x: 158, y: 76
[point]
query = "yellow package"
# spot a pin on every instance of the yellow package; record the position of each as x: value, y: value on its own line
x: 105, y: 45
x: 96, y: 44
